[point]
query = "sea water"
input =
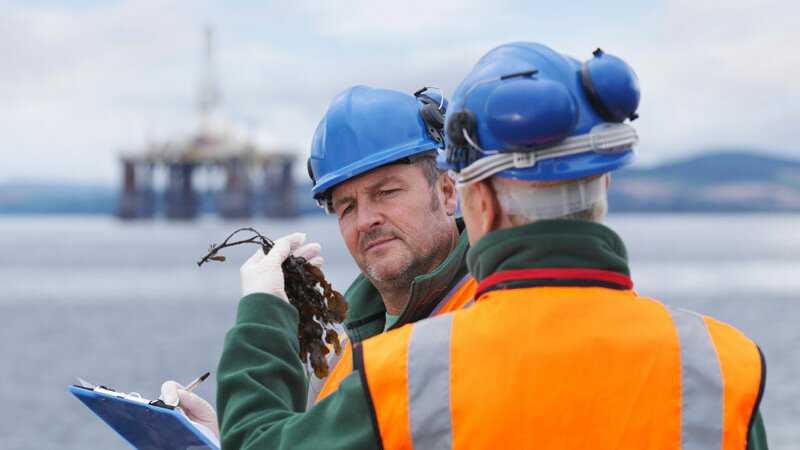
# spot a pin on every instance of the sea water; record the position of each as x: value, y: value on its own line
x: 124, y: 305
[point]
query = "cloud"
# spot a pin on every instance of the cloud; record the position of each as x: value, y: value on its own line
x: 78, y: 83
x: 411, y: 23
x: 719, y: 74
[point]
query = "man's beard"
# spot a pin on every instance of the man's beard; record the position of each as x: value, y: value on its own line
x: 404, y: 273
x: 400, y: 279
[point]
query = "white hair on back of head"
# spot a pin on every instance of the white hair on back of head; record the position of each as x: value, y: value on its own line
x: 529, y: 201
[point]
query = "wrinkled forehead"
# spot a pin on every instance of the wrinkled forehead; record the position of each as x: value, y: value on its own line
x: 376, y: 178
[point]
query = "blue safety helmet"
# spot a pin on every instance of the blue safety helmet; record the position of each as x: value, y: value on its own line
x: 365, y: 128
x: 533, y: 114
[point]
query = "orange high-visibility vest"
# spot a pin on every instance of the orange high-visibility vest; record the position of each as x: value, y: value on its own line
x: 460, y: 296
x: 543, y: 365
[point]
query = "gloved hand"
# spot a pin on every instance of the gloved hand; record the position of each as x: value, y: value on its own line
x: 262, y: 273
x: 310, y: 252
x: 196, y: 409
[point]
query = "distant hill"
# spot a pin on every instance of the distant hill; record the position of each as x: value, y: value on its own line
x: 723, y: 181
x: 712, y: 182
x: 32, y: 197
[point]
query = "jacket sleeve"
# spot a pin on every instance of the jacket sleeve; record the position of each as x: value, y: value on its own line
x: 261, y: 388
x: 757, y: 435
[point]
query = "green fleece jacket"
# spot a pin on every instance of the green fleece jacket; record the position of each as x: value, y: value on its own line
x: 565, y: 244
x: 261, y: 382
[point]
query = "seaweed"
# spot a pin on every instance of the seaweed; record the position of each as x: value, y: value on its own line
x: 319, y: 305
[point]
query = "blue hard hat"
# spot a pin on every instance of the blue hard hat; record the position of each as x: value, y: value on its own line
x: 535, y: 114
x: 365, y: 128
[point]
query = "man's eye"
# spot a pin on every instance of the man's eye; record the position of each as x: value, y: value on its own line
x: 387, y: 192
x: 347, y: 210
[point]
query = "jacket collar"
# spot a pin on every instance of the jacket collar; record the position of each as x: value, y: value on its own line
x: 549, y: 244
x: 366, y: 316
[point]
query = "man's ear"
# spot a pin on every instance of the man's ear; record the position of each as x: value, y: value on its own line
x: 607, y: 177
x: 489, y: 206
x: 447, y: 187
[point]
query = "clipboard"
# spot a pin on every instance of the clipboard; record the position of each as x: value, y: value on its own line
x: 144, y: 424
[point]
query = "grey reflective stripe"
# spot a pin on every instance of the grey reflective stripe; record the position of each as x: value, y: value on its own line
x: 701, y: 382
x: 315, y: 384
x: 429, y: 384
x: 450, y: 295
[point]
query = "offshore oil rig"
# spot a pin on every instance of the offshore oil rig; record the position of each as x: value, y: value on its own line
x: 210, y: 171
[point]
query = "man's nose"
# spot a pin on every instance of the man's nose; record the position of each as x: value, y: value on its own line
x: 369, y: 215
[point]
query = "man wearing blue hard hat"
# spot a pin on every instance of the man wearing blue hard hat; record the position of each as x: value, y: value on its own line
x: 373, y: 164
x: 558, y: 351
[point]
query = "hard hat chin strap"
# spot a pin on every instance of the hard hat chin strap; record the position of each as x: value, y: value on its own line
x: 540, y: 203
x: 605, y: 138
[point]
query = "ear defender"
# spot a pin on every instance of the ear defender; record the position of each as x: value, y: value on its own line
x: 460, y: 151
x: 611, y: 86
x: 530, y: 112
x: 432, y: 113
x: 526, y: 111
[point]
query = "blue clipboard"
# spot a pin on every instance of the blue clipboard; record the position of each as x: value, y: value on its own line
x: 145, y: 425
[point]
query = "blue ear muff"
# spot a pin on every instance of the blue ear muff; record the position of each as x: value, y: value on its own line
x: 530, y: 112
x: 612, y: 87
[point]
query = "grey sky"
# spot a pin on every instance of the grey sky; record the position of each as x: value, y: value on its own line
x: 82, y: 80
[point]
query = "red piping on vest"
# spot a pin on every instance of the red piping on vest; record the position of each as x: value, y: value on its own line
x: 554, y: 274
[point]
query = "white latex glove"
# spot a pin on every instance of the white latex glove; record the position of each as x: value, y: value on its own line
x: 196, y: 409
x: 263, y: 273
x: 310, y: 252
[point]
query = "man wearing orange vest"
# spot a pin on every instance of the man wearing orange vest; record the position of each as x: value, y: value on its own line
x: 558, y: 351
x: 373, y: 165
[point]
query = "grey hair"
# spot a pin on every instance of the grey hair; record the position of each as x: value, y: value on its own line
x: 595, y: 212
x: 427, y: 164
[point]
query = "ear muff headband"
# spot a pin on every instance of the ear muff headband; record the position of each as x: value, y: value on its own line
x: 311, y: 172
x: 594, y: 99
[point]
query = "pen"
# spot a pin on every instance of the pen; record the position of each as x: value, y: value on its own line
x: 196, y: 382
